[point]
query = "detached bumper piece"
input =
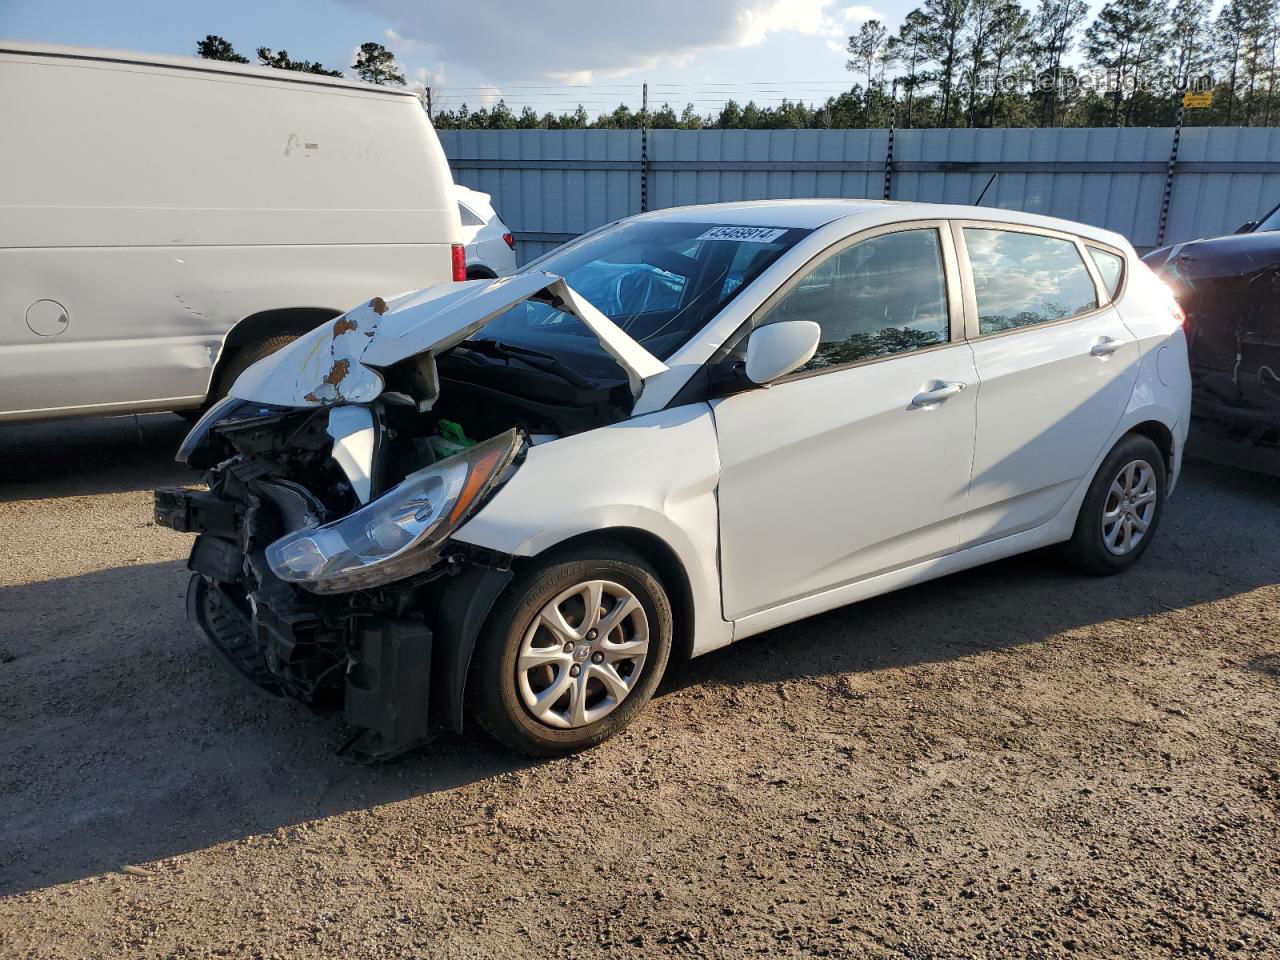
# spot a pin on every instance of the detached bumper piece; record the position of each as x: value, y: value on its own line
x: 195, y: 511
x: 372, y: 664
x: 387, y: 687
x: 381, y: 679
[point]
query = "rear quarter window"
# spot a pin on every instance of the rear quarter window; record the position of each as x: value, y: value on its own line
x: 1025, y: 279
x: 1111, y: 267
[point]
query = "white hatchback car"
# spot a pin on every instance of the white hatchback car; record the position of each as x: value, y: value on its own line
x: 490, y: 247
x: 522, y: 496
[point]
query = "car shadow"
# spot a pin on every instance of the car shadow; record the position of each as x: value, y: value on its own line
x: 78, y: 457
x: 126, y: 743
x: 1216, y: 539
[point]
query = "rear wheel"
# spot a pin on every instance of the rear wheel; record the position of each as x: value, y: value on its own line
x: 573, y: 651
x: 1122, y: 509
x: 242, y: 359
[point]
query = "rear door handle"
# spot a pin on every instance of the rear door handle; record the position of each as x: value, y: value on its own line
x: 938, y: 391
x: 1106, y: 346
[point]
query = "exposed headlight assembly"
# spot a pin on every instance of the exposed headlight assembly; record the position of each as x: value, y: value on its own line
x: 400, y: 533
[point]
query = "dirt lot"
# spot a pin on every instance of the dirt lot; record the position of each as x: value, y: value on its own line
x: 1011, y: 762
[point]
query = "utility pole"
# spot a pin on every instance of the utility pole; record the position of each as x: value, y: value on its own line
x: 427, y: 99
x: 888, y: 156
x: 644, y: 148
x: 1169, y: 175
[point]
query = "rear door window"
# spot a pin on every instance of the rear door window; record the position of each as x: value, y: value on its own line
x: 1025, y: 279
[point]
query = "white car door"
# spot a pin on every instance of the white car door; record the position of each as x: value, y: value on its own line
x: 858, y: 463
x: 1056, y: 366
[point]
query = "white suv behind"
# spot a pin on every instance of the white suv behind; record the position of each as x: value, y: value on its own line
x: 490, y: 246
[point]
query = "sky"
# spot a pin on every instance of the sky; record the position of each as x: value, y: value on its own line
x: 549, y: 54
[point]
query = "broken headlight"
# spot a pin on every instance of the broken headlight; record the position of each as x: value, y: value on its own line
x: 401, y: 532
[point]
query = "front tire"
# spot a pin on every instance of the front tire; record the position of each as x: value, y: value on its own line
x: 1122, y: 509
x: 573, y: 651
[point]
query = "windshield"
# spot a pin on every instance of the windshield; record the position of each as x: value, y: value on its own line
x: 659, y: 281
x: 1271, y: 222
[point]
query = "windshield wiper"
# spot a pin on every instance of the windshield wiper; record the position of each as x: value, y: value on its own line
x: 534, y: 358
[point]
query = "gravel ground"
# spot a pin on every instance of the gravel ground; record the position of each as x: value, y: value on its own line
x: 1012, y: 762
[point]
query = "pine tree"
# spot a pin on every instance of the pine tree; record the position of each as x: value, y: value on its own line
x: 1010, y: 43
x: 1054, y: 31
x: 1257, y: 18
x: 866, y: 50
x: 1188, y: 39
x: 1229, y: 42
x: 979, y: 27
x: 282, y: 61
x: 213, y: 47
x: 946, y: 20
x: 1124, y: 40
x: 376, y: 64
x: 908, y: 49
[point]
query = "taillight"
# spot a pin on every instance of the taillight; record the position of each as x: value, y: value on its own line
x: 1175, y: 308
x: 459, y: 253
x: 1181, y: 316
x: 510, y: 240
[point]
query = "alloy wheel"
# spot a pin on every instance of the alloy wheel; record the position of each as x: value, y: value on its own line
x: 1129, y: 507
x: 582, y: 654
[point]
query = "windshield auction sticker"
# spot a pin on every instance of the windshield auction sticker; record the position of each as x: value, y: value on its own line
x: 743, y: 234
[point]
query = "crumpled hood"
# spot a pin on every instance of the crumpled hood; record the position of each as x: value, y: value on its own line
x: 339, y: 361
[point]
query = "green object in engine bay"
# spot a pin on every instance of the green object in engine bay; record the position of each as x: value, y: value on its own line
x: 451, y: 439
x: 453, y: 431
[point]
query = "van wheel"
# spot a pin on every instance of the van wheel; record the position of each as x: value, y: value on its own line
x: 241, y: 360
x: 1122, y: 509
x: 573, y: 651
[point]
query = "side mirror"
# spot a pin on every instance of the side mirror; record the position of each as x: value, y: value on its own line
x: 1247, y: 226
x: 776, y: 349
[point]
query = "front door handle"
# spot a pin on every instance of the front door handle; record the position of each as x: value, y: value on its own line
x: 936, y: 392
x: 1106, y: 346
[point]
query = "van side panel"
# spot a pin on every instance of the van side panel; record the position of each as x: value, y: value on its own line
x: 156, y: 207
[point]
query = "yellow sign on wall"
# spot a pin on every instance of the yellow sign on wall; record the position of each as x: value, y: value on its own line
x: 1192, y: 100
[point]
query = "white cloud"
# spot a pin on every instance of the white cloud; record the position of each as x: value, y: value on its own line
x: 578, y: 41
x: 799, y: 16
x: 426, y: 77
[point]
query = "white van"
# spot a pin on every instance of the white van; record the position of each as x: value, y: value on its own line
x: 166, y: 221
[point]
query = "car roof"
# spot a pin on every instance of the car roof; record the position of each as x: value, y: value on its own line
x: 807, y: 213
x: 817, y: 212
x: 53, y: 51
x: 478, y: 201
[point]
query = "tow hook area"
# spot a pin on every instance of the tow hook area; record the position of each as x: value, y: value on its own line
x: 387, y: 688
x: 385, y: 676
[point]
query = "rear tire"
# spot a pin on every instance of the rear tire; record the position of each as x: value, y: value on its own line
x: 1122, y: 509
x: 544, y: 680
x: 241, y: 360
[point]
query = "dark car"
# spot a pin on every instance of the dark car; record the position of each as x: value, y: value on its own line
x: 1229, y: 288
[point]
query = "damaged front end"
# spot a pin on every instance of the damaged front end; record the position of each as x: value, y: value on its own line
x: 307, y: 593
x: 323, y: 567
x: 1229, y: 288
